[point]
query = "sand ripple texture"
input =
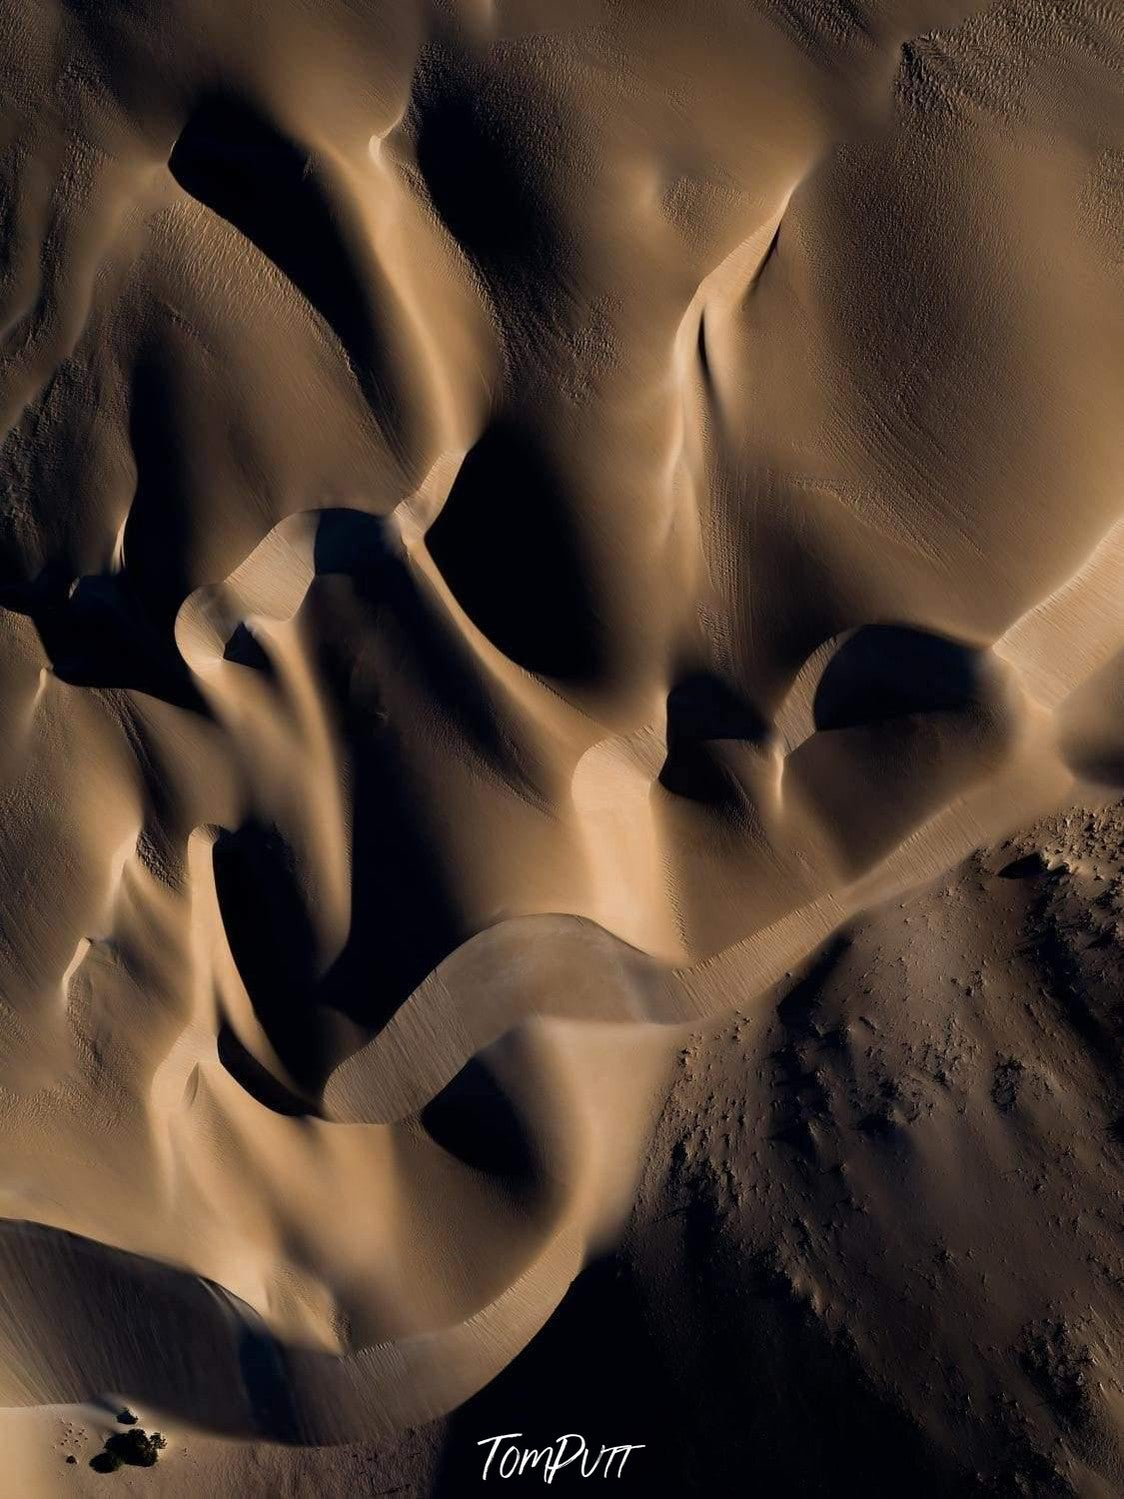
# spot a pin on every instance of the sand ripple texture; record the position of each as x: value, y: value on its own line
x: 517, y: 519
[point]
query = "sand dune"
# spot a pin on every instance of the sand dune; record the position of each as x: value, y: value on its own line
x: 519, y: 524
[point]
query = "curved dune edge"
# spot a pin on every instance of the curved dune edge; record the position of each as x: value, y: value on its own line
x: 510, y: 980
x: 505, y: 972
x: 146, y: 1328
x: 255, y: 1387
x: 518, y: 522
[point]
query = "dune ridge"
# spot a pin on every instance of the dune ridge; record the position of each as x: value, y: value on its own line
x: 518, y: 522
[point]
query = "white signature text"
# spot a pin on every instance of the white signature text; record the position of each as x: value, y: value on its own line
x: 514, y: 1461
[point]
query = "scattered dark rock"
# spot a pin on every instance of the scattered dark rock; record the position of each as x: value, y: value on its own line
x: 1029, y: 867
x: 881, y: 1125
x: 1005, y: 1084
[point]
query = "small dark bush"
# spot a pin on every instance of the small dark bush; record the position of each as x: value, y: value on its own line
x: 126, y: 1417
x: 105, y: 1462
x: 134, y: 1447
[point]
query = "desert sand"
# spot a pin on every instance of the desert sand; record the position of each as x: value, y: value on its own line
x: 561, y: 855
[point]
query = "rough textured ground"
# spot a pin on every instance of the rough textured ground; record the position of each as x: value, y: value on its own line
x: 897, y: 1213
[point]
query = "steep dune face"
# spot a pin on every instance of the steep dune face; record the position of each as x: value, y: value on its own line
x: 516, y: 522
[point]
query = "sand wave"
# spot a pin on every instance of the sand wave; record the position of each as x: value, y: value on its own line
x: 516, y: 525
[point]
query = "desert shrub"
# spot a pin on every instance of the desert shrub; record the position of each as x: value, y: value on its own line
x: 134, y: 1447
